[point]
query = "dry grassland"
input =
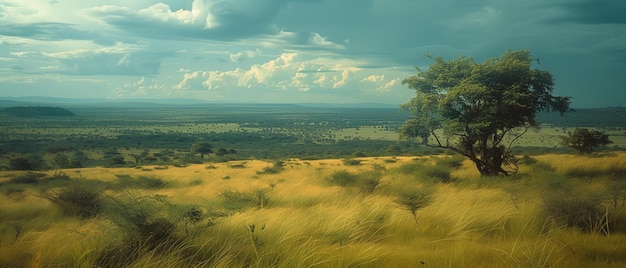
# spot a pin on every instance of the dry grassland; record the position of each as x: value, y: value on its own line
x: 307, y: 220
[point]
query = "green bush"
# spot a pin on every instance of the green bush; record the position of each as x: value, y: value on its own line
x: 412, y: 199
x: 365, y: 182
x: 143, y: 219
x: 76, y: 200
x: 440, y: 173
x: 28, y: 178
x: 577, y: 209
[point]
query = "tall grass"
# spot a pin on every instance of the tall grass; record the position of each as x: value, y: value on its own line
x: 302, y: 220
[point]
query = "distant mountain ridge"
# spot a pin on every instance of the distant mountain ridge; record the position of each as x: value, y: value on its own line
x: 587, y: 117
x: 36, y: 111
x: 51, y: 101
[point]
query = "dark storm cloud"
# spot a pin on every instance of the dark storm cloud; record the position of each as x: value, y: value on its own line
x: 207, y: 19
x: 594, y: 11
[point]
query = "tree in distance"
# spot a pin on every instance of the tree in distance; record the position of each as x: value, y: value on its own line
x: 57, y: 154
x: 20, y: 163
x: 475, y: 109
x: 584, y: 141
x: 202, y: 148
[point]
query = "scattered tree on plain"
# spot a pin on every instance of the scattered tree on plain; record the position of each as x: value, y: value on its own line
x: 202, y: 148
x: 20, y: 163
x: 474, y: 109
x: 584, y: 141
x: 57, y: 154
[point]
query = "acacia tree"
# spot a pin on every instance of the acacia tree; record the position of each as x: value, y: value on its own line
x: 57, y: 154
x: 479, y: 109
x: 584, y: 141
x: 202, y: 147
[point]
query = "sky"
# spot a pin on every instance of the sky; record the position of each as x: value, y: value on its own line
x: 298, y: 51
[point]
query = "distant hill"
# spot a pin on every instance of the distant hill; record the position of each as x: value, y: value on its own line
x: 36, y: 111
x: 595, y: 117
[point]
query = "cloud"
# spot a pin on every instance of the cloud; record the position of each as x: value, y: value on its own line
x: 287, y: 71
x: 207, y: 19
x: 291, y: 72
x: 590, y: 11
x: 117, y: 60
x: 49, y: 31
x: 243, y: 55
x: 144, y: 87
x: 373, y: 78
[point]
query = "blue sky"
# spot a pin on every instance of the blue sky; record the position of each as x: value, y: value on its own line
x: 297, y: 51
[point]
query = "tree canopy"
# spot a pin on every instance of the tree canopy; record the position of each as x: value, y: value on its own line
x: 584, y: 141
x: 202, y: 148
x: 475, y: 109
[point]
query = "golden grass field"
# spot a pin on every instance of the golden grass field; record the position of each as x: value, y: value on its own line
x: 306, y: 221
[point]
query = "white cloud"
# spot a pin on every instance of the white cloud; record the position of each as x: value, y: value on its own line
x: 287, y: 71
x: 373, y: 78
x: 243, y: 55
x: 144, y: 87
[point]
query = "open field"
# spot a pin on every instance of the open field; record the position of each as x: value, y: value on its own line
x: 559, y: 211
x: 144, y: 133
x: 118, y: 185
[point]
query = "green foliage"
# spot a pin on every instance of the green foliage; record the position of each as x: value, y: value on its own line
x: 143, y: 218
x: 365, y: 182
x: 584, y: 141
x: 577, y: 209
x: 202, y: 148
x: 478, y: 106
x: 20, y: 163
x: 412, y: 199
x: 439, y: 169
x: 76, y: 199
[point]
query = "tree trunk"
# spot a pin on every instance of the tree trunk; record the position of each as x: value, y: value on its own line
x: 490, y: 162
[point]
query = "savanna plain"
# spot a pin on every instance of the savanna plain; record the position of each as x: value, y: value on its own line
x: 288, y: 186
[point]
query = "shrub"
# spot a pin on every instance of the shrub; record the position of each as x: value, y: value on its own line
x: 141, y: 219
x: 368, y: 182
x: 28, y: 178
x: 413, y: 199
x: 441, y: 173
x: 365, y: 182
x: 76, y: 200
x: 20, y: 163
x: 343, y: 178
x: 142, y: 182
x: 234, y: 200
x: 275, y: 169
x: 352, y: 162
x: 577, y: 210
x: 455, y: 161
x: 238, y: 165
x: 150, y: 182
